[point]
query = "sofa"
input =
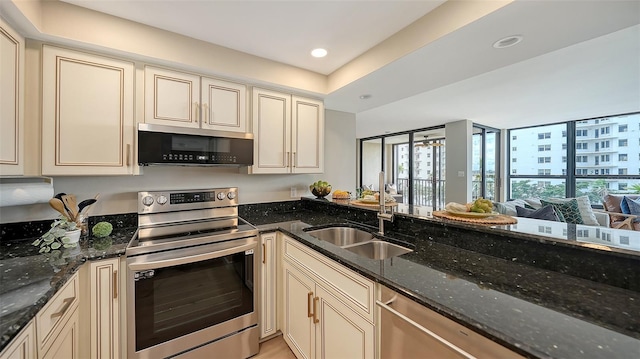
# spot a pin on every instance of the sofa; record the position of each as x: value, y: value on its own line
x: 576, y: 210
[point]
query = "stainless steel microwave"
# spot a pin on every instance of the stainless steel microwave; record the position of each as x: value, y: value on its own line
x: 169, y: 145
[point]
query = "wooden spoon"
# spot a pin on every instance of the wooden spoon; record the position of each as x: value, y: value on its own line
x: 72, y: 207
x: 58, y: 206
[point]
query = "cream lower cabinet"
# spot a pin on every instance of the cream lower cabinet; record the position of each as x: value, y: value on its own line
x: 328, y: 309
x: 288, y: 133
x: 268, y: 301
x: 182, y: 99
x: 104, y: 298
x: 57, y: 323
x: 87, y: 114
x: 23, y: 346
x: 11, y: 101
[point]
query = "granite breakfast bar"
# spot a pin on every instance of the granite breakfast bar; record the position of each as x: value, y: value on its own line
x: 493, y: 280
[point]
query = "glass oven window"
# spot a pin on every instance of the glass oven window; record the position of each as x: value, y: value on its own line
x: 175, y: 301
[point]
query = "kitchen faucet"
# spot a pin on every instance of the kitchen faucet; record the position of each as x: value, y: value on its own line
x: 382, y: 214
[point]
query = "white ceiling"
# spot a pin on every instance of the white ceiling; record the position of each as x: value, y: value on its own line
x: 579, y: 59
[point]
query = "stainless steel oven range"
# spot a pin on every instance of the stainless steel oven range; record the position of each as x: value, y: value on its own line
x: 191, y: 271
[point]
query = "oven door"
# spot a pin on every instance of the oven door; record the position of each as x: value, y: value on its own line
x: 188, y: 297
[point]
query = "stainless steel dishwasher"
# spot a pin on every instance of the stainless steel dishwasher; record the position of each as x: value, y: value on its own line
x: 410, y: 330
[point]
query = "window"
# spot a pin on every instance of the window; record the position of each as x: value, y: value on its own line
x: 513, y: 138
x: 514, y: 160
x: 581, y: 133
x: 623, y: 143
x: 581, y: 159
x: 622, y: 157
x: 582, y: 146
x: 564, y: 159
x: 544, y: 159
x: 605, y: 130
x: 564, y: 146
x: 564, y: 133
x: 605, y: 144
x: 581, y: 171
x: 605, y: 158
x: 606, y: 171
x: 514, y: 171
x: 564, y: 171
x: 622, y: 171
x: 544, y: 135
x: 544, y: 148
x: 544, y: 183
x: 542, y: 172
x: 622, y: 128
x: 514, y: 148
x: 622, y: 186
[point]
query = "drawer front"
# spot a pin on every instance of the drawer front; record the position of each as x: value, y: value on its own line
x: 350, y: 287
x: 49, y: 319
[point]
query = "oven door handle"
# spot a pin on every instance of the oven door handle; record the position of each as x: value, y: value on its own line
x: 189, y: 259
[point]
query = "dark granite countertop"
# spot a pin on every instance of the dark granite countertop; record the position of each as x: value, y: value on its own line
x: 507, y: 297
x: 535, y: 312
x: 29, y: 279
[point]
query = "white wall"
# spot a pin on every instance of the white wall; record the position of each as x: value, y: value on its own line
x: 118, y: 194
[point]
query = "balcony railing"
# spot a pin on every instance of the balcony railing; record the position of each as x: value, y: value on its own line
x: 424, y: 193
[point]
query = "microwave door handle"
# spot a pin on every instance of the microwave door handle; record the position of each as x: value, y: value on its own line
x: 189, y: 259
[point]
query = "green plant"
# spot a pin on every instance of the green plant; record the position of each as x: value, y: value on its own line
x: 56, y: 237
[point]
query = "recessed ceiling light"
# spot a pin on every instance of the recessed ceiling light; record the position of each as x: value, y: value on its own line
x: 365, y: 97
x: 319, y: 52
x: 508, y: 41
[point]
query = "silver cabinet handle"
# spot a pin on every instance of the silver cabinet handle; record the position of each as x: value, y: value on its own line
x: 424, y: 330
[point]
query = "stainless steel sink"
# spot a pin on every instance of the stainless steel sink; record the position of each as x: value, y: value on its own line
x: 378, y: 249
x: 341, y: 236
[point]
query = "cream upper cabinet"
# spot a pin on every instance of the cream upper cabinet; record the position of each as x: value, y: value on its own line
x: 268, y: 311
x: 11, y: 101
x: 224, y: 105
x: 176, y: 98
x: 327, y: 308
x: 288, y: 133
x: 105, y: 308
x: 87, y: 114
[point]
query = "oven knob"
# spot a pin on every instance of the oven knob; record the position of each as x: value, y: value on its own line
x: 162, y: 200
x: 231, y: 195
x: 221, y: 196
x: 147, y: 200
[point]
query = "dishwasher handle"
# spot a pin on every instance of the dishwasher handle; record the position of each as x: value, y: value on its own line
x: 385, y: 306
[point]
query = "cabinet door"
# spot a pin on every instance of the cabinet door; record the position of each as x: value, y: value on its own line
x: 23, y: 346
x: 271, y: 131
x: 298, y: 326
x: 307, y: 128
x: 341, y: 332
x: 65, y: 345
x: 171, y: 98
x: 224, y: 105
x: 268, y: 315
x: 11, y: 101
x: 105, y: 309
x: 87, y: 115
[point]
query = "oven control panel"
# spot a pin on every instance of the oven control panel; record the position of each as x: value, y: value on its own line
x: 165, y: 201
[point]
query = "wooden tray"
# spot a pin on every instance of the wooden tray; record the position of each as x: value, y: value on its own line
x: 497, y: 219
x: 368, y: 204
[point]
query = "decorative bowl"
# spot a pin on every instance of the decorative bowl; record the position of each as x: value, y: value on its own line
x: 321, y: 192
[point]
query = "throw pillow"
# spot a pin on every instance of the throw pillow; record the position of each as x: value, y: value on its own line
x: 624, y: 206
x: 533, y: 203
x: 584, y: 206
x: 547, y: 213
x: 509, y: 207
x: 391, y: 189
x: 569, y: 210
x: 634, y: 207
